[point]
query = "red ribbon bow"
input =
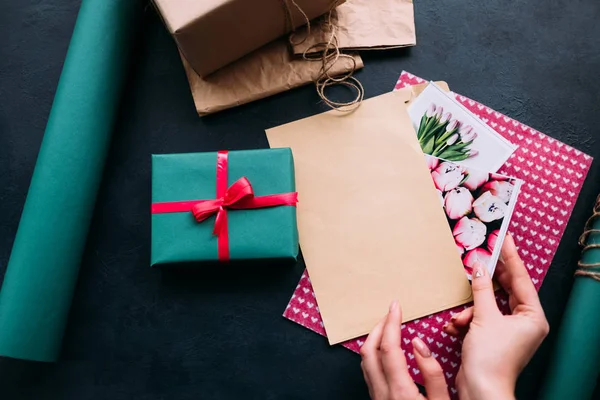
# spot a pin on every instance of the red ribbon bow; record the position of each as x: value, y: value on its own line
x: 238, y: 196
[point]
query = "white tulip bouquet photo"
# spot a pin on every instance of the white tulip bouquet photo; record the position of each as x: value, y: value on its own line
x: 447, y: 130
x: 442, y: 136
x: 478, y: 207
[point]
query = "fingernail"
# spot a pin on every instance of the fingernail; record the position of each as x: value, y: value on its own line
x: 421, y: 348
x: 445, y: 327
x: 394, y: 305
x: 453, y: 318
x: 479, y: 270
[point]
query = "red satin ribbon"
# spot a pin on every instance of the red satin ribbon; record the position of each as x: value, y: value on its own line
x: 239, y: 196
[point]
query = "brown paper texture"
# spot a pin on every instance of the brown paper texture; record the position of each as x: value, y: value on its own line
x: 370, y: 221
x: 265, y: 72
x: 214, y: 33
x: 365, y: 25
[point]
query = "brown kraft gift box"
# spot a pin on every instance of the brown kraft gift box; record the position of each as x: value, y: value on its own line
x: 213, y: 33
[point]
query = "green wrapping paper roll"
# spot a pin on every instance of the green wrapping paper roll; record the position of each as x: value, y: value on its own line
x: 43, y: 267
x: 575, y: 362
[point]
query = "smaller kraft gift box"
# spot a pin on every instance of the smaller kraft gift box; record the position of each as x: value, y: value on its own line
x: 221, y: 206
x: 214, y: 33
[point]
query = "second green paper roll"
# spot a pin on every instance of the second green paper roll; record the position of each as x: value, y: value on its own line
x: 575, y: 363
x: 42, y: 271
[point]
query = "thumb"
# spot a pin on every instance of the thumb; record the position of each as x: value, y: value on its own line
x: 483, y: 292
x: 433, y: 375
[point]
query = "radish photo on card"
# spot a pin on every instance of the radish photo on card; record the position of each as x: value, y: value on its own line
x: 478, y: 207
x: 447, y: 130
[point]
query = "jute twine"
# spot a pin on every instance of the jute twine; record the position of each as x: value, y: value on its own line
x: 586, y: 269
x: 290, y: 25
x: 328, y: 53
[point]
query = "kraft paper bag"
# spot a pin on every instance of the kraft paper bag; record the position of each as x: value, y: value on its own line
x: 370, y: 221
x: 364, y: 25
x: 267, y: 71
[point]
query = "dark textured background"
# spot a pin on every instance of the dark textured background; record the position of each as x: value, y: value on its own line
x: 136, y: 333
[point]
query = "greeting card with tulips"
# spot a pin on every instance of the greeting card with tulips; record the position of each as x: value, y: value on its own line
x: 478, y: 207
x: 447, y: 130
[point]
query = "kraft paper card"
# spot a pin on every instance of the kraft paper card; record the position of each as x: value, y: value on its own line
x: 364, y: 25
x: 418, y: 89
x: 369, y: 217
x: 263, y: 73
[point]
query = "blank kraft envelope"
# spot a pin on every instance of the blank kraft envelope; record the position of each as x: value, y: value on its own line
x: 371, y: 226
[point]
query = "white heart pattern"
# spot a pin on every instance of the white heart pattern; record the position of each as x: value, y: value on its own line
x: 537, y: 238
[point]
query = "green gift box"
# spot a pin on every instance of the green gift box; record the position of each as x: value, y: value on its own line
x: 192, y: 223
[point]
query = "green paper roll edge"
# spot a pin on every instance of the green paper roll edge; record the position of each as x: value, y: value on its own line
x: 44, y: 263
x: 575, y: 361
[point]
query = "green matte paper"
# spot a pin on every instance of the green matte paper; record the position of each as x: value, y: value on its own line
x: 43, y: 267
x: 264, y: 233
x: 575, y: 362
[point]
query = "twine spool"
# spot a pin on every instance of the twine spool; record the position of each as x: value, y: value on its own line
x: 586, y: 269
x: 328, y: 53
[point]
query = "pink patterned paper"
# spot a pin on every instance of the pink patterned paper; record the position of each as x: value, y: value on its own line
x: 553, y: 174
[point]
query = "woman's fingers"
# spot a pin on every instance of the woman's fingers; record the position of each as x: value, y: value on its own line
x: 454, y: 331
x: 433, y: 376
x: 483, y: 293
x: 385, y: 369
x: 459, y: 324
x: 463, y: 318
x: 514, y: 278
x: 392, y: 357
x: 371, y: 363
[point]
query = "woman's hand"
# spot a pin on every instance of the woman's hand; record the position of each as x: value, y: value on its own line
x: 497, y: 347
x: 384, y: 366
